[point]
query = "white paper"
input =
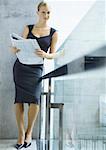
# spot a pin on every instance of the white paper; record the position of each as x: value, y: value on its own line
x: 27, y: 47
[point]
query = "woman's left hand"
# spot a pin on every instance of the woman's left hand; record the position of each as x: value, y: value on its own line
x: 40, y: 53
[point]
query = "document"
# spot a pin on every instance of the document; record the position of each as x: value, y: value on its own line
x: 27, y: 47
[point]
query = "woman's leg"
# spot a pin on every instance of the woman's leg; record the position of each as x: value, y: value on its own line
x: 19, y: 110
x: 32, y: 115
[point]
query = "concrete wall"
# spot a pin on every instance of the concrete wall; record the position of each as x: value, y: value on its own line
x: 13, y: 16
x: 81, y: 95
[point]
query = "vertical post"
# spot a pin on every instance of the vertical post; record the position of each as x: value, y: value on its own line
x: 61, y: 127
x: 40, y: 125
x: 47, y: 146
x: 46, y: 122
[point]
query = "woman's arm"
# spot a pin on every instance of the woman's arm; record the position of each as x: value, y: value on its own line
x: 24, y: 35
x: 14, y: 50
x: 54, y: 42
x: 52, y: 53
x: 25, y: 32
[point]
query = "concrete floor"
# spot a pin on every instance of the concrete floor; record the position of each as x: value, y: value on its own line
x: 9, y: 145
x: 80, y: 145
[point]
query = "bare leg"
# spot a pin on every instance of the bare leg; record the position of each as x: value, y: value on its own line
x: 19, y: 109
x: 32, y: 115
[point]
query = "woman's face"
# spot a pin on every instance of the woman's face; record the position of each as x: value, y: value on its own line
x: 44, y: 13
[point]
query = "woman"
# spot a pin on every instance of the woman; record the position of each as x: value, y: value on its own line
x: 26, y: 76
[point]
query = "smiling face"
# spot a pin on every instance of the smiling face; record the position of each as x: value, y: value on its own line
x: 44, y: 13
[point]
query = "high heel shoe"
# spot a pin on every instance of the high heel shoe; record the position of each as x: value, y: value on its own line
x: 27, y: 144
x: 19, y: 146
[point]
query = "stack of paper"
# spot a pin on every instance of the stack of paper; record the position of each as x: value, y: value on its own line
x: 27, y: 47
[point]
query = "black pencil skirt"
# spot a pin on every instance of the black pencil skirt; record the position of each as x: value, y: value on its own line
x: 27, y: 79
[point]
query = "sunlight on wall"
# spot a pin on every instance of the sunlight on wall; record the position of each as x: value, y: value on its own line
x: 67, y: 14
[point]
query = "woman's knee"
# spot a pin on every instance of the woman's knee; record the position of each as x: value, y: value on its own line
x: 34, y: 106
x: 20, y: 106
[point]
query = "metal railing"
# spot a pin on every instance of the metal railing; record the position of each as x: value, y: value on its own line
x: 79, y: 65
x: 50, y: 106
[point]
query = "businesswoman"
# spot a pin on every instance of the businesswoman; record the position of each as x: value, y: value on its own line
x: 26, y: 76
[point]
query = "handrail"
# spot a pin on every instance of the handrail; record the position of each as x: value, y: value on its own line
x: 92, y: 60
x: 82, y: 64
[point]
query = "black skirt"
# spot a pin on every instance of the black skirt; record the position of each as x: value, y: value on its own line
x: 27, y: 79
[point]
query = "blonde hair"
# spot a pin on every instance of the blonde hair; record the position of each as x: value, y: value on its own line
x: 41, y: 4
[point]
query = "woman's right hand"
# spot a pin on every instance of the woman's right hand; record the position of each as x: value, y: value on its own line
x: 15, y: 50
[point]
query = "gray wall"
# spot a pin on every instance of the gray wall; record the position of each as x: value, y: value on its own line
x: 81, y: 94
x: 13, y: 16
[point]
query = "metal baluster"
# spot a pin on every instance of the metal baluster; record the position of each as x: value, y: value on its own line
x: 48, y: 116
x: 46, y: 120
x: 40, y: 143
x: 61, y: 128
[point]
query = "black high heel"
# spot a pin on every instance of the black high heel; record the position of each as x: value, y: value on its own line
x: 19, y: 146
x: 27, y: 144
